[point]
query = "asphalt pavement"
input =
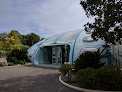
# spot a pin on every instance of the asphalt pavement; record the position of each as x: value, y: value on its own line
x: 29, y: 78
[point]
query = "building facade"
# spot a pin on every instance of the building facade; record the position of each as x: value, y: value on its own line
x: 64, y: 47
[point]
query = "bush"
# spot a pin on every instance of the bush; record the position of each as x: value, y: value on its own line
x: 64, y: 69
x: 17, y: 56
x: 21, y: 62
x: 106, y: 78
x: 12, y: 59
x: 10, y: 64
x: 1, y: 64
x: 4, y: 53
x: 110, y: 78
x: 88, y: 59
x: 86, y: 78
x: 25, y: 47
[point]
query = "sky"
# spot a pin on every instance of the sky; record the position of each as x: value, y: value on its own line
x: 42, y: 17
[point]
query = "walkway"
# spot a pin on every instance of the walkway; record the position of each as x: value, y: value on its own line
x: 30, y: 78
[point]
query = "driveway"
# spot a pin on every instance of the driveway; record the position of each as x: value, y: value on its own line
x: 30, y: 78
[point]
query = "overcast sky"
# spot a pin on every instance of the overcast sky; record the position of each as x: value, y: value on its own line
x: 43, y: 17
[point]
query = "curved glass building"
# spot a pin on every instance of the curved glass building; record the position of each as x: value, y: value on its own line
x: 64, y: 47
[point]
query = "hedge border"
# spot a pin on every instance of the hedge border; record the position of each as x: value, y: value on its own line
x: 81, y: 89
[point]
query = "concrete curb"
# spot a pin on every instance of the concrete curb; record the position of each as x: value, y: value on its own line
x: 81, y: 89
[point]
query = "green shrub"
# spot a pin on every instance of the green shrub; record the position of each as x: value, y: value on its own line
x: 110, y: 78
x: 12, y: 59
x: 1, y: 64
x: 88, y: 59
x: 10, y: 64
x: 21, y: 62
x: 64, y: 69
x: 106, y: 78
x: 18, y: 56
x: 87, y: 78
x: 4, y: 53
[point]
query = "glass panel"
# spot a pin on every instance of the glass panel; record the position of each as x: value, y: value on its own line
x: 88, y: 39
x: 59, y: 54
x: 88, y: 49
x: 54, y: 57
x: 41, y: 55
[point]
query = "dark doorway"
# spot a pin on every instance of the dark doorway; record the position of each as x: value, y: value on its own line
x: 47, y: 55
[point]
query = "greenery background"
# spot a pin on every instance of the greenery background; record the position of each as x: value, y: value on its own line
x: 15, y: 40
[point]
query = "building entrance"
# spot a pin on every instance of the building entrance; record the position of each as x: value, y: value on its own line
x: 57, y: 55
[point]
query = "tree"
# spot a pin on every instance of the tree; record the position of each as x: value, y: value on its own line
x: 17, y: 33
x: 13, y: 35
x: 7, y: 45
x: 23, y: 39
x: 42, y: 38
x: 108, y: 16
x: 32, y: 39
x: 1, y: 45
x: 3, y: 35
x: 29, y: 39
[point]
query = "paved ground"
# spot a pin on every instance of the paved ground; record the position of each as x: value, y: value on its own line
x: 30, y: 79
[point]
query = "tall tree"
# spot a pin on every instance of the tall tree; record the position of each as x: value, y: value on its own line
x: 32, y: 39
x: 108, y: 21
x: 13, y: 35
x: 23, y: 39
